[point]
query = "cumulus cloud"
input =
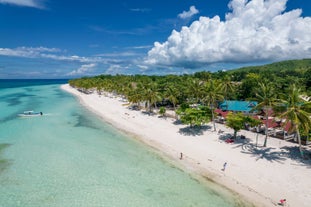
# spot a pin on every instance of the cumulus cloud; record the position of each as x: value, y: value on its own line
x: 187, y: 14
x: 256, y: 30
x: 27, y: 3
x: 83, y: 70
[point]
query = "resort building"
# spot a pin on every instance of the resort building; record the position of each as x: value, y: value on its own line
x: 238, y: 106
x: 276, y: 128
x: 234, y: 106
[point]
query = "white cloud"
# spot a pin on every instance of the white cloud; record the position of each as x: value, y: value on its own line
x: 83, y: 70
x: 114, y: 62
x: 143, y: 47
x: 187, y: 14
x: 48, y: 53
x: 27, y: 3
x: 257, y: 30
x: 114, y: 69
x: 89, y: 65
x: 28, y: 52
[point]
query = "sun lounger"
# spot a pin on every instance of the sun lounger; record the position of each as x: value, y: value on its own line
x: 229, y: 140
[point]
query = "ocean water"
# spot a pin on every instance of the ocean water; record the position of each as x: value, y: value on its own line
x: 69, y: 157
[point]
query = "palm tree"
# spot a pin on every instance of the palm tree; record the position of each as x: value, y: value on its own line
x: 151, y: 95
x: 266, y: 97
x: 297, y: 112
x: 108, y: 85
x: 212, y: 94
x: 171, y: 93
x: 226, y: 87
x: 194, y: 90
x: 135, y: 93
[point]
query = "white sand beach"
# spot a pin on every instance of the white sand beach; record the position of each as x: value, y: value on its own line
x: 262, y: 176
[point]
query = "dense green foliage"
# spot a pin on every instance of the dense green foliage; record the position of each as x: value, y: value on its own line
x: 194, y: 116
x: 162, y: 110
x: 235, y: 121
x: 281, y: 73
x: 294, y: 67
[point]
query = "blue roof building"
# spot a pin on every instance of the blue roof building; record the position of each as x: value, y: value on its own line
x: 238, y: 106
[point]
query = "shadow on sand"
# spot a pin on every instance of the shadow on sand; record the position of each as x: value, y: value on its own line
x: 194, y: 131
x: 149, y: 113
x: 269, y: 153
x: 177, y: 122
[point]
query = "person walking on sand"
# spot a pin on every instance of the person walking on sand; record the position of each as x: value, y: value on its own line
x: 225, y: 165
x: 282, y: 202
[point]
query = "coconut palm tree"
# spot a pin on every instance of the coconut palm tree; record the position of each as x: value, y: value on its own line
x: 171, y: 93
x: 266, y: 97
x: 194, y: 90
x: 212, y: 95
x: 135, y: 94
x: 151, y: 95
x: 226, y: 87
x: 297, y: 112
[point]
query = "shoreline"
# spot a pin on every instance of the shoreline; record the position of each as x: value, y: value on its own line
x: 261, y: 176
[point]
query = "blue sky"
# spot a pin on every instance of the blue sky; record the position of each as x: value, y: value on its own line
x: 68, y: 39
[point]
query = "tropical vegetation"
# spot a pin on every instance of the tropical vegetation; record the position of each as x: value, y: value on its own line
x: 297, y: 111
x: 194, y: 97
x: 238, y: 121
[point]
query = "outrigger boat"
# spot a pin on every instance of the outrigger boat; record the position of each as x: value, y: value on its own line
x: 31, y: 113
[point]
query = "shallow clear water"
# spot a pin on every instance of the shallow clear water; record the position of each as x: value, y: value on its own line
x: 69, y: 157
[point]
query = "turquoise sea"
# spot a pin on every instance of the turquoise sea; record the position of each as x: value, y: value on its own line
x: 69, y: 157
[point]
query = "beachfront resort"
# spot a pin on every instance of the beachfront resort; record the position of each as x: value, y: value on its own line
x: 201, y: 119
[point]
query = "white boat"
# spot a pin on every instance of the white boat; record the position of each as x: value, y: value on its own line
x: 31, y: 113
